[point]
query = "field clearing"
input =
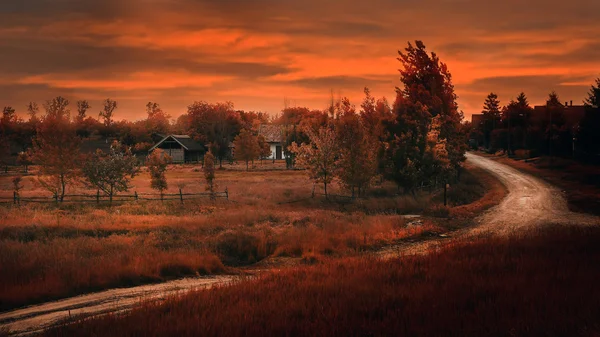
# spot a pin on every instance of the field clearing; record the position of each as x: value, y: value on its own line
x: 538, y: 283
x: 49, y: 253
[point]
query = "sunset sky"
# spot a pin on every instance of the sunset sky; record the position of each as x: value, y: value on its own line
x: 256, y: 53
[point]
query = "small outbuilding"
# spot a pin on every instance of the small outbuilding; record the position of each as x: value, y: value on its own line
x: 181, y: 148
x: 273, y: 135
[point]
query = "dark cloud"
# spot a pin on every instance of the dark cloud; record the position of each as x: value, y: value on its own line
x: 335, y: 82
x: 34, y: 56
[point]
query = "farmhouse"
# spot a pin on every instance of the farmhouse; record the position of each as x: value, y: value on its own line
x: 181, y: 148
x: 273, y: 135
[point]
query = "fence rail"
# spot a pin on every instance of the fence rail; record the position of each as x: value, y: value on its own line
x: 119, y: 198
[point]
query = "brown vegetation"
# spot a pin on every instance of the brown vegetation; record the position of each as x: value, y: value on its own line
x: 539, y: 284
x: 49, y: 253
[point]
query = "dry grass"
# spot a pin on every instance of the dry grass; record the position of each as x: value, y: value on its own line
x: 49, y: 253
x: 541, y: 284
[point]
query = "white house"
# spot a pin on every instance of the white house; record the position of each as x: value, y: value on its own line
x: 273, y: 135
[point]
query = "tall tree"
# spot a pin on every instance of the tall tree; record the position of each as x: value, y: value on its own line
x: 214, y: 124
x: 56, y: 148
x: 374, y: 115
x: 157, y: 164
x: 82, y: 107
x: 32, y: 110
x: 357, y: 151
x: 491, y: 114
x: 319, y: 157
x: 157, y: 121
x: 111, y: 172
x: 516, y: 118
x: 427, y: 80
x: 265, y: 148
x: 107, y: 112
x: 246, y: 147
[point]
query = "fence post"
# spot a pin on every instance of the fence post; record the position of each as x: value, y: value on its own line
x: 15, y: 197
x: 136, y: 195
x: 98, y: 197
x: 226, y: 193
x: 313, y: 191
x: 180, y: 196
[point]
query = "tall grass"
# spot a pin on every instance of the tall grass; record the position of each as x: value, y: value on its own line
x: 541, y: 284
x: 48, y: 253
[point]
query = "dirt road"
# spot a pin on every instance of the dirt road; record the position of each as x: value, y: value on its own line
x: 530, y: 202
x: 38, y: 317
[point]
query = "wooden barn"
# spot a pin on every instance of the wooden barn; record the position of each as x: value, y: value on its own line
x: 181, y: 148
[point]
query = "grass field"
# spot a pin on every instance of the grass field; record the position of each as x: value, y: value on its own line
x: 48, y: 252
x: 538, y: 284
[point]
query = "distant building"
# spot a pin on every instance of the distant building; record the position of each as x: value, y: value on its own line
x: 181, y: 148
x: 573, y: 114
x: 273, y: 135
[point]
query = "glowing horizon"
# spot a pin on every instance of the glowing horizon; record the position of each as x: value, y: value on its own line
x: 256, y: 55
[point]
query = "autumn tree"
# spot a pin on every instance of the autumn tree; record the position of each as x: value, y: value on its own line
x: 357, y: 148
x: 108, y: 109
x: 264, y: 147
x: 157, y: 164
x: 25, y: 158
x: 209, y: 173
x: 32, y: 110
x: 80, y: 120
x: 246, y: 147
x: 214, y: 124
x: 319, y: 157
x: 427, y: 92
x: 111, y: 172
x: 374, y: 115
x: 56, y: 148
x: 407, y: 143
x: 82, y: 107
x: 158, y: 120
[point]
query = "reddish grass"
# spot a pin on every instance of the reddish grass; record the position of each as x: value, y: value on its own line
x: 543, y: 284
x: 47, y: 253
x: 44, y: 270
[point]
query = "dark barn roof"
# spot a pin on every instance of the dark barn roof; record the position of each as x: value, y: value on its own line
x: 272, y: 133
x: 185, y: 141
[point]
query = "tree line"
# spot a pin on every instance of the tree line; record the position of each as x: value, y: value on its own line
x: 547, y: 131
x: 419, y: 139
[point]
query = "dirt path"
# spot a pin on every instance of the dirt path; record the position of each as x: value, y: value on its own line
x: 38, y: 317
x: 530, y: 202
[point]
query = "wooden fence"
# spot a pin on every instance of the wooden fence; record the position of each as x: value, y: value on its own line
x: 119, y: 198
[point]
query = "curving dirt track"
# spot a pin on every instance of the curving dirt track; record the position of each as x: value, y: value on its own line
x: 530, y: 202
x: 35, y: 318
